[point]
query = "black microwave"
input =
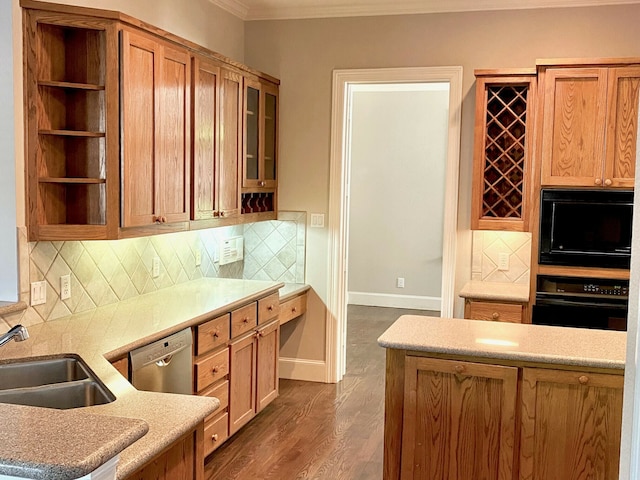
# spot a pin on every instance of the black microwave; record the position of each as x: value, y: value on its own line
x: 586, y: 228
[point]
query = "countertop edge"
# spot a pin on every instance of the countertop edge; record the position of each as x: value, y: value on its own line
x: 506, y: 292
x: 292, y: 290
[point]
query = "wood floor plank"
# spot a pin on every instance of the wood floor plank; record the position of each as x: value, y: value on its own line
x: 319, y: 431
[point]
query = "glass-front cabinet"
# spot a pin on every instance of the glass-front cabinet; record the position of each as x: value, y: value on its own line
x: 259, y: 179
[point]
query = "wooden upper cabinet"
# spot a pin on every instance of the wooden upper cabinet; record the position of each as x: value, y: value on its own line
x: 589, y: 126
x: 622, y: 126
x: 156, y: 81
x: 571, y: 425
x: 217, y: 140
x: 71, y: 129
x: 505, y: 108
x: 459, y: 420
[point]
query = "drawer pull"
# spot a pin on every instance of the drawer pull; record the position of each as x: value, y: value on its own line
x: 214, y: 437
x: 216, y: 334
x: 583, y: 379
x: 270, y: 308
x: 216, y: 369
x: 245, y: 320
x: 459, y: 368
x: 294, y: 310
x: 495, y: 316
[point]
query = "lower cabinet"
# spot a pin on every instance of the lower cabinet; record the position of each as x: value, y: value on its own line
x: 458, y: 420
x: 494, y: 311
x: 183, y: 460
x: 571, y: 425
x: 253, y: 374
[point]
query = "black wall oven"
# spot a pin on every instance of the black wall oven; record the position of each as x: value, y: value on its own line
x: 581, y: 302
x: 586, y: 228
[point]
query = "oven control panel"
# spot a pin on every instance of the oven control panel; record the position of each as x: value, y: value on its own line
x: 583, y: 286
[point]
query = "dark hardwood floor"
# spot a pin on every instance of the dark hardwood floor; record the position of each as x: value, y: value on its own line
x: 316, y: 430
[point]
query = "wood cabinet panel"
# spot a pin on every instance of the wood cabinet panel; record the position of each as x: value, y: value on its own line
x: 622, y: 126
x: 219, y: 391
x: 571, y: 425
x: 243, y: 320
x: 573, y: 129
x: 267, y: 364
x: 494, y: 311
x: 268, y: 308
x: 231, y: 139
x: 212, y: 334
x: 459, y: 420
x: 211, y: 368
x: 242, y: 379
x: 122, y: 365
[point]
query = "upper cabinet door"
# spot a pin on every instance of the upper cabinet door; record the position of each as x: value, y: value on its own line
x: 140, y: 70
x: 173, y: 135
x: 155, y: 131
x: 622, y: 126
x: 206, y: 84
x: 231, y: 98
x: 573, y: 130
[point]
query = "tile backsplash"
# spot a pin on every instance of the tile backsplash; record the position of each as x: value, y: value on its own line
x: 488, y: 245
x: 105, y: 272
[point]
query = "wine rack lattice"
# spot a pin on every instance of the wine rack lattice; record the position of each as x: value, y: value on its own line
x: 504, y: 154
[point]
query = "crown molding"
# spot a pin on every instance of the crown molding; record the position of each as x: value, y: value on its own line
x: 234, y: 7
x: 297, y: 9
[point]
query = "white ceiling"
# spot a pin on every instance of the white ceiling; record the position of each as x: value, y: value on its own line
x: 289, y: 9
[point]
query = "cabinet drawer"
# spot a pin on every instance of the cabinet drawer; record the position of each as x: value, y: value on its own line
x: 211, y: 368
x: 497, y: 312
x: 212, y: 334
x: 293, y: 308
x: 219, y: 391
x: 268, y: 308
x: 243, y: 320
x: 216, y: 432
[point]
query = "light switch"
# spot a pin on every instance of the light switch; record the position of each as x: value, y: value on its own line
x: 317, y: 220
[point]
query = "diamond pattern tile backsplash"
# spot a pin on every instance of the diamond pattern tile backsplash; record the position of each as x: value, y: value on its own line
x: 105, y: 272
x: 487, y: 246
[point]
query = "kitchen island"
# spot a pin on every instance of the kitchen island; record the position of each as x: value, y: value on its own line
x: 472, y: 399
x: 139, y: 425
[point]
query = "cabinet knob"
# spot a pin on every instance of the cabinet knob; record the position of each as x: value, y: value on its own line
x: 157, y: 219
x: 598, y: 181
x: 294, y: 310
x: 245, y: 320
x: 216, y: 334
x: 495, y: 316
x: 270, y: 308
x: 608, y: 182
x: 215, y: 369
x: 583, y: 379
x: 262, y: 183
x: 221, y: 213
x: 458, y: 368
x: 214, y: 437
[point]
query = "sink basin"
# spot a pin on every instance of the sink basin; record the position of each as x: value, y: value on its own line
x: 61, y: 382
x: 32, y: 372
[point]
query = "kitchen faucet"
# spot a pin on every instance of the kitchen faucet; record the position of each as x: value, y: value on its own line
x: 19, y: 333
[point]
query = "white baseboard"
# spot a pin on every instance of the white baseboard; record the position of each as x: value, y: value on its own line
x: 300, y: 369
x: 395, y: 301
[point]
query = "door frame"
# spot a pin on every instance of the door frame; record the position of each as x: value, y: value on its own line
x: 336, y: 320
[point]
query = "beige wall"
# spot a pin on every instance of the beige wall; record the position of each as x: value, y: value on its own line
x: 303, y: 53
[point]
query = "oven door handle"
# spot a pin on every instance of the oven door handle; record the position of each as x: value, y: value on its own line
x: 564, y: 302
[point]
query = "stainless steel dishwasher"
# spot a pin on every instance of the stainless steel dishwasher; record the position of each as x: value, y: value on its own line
x: 165, y: 365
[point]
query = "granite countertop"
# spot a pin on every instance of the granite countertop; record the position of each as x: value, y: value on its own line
x: 507, y: 292
x: 579, y: 347
x: 145, y: 423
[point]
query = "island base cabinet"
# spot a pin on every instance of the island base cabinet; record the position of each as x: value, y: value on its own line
x: 459, y: 420
x: 571, y: 425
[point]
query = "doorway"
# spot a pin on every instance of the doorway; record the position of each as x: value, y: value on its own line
x: 344, y: 82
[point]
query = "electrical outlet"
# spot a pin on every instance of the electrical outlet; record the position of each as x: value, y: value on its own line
x: 198, y: 257
x: 38, y: 293
x: 65, y: 287
x: 400, y: 282
x: 156, y: 267
x: 503, y: 261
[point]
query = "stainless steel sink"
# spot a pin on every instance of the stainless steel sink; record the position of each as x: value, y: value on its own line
x: 61, y: 382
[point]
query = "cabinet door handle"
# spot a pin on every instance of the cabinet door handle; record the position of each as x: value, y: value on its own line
x: 294, y: 310
x: 216, y: 334
x: 495, y: 316
x: 607, y: 182
x: 215, y: 369
x: 157, y: 219
x: 270, y: 308
x: 598, y: 181
x: 221, y: 213
x: 583, y: 379
x: 245, y: 320
x: 458, y: 368
x: 214, y: 437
